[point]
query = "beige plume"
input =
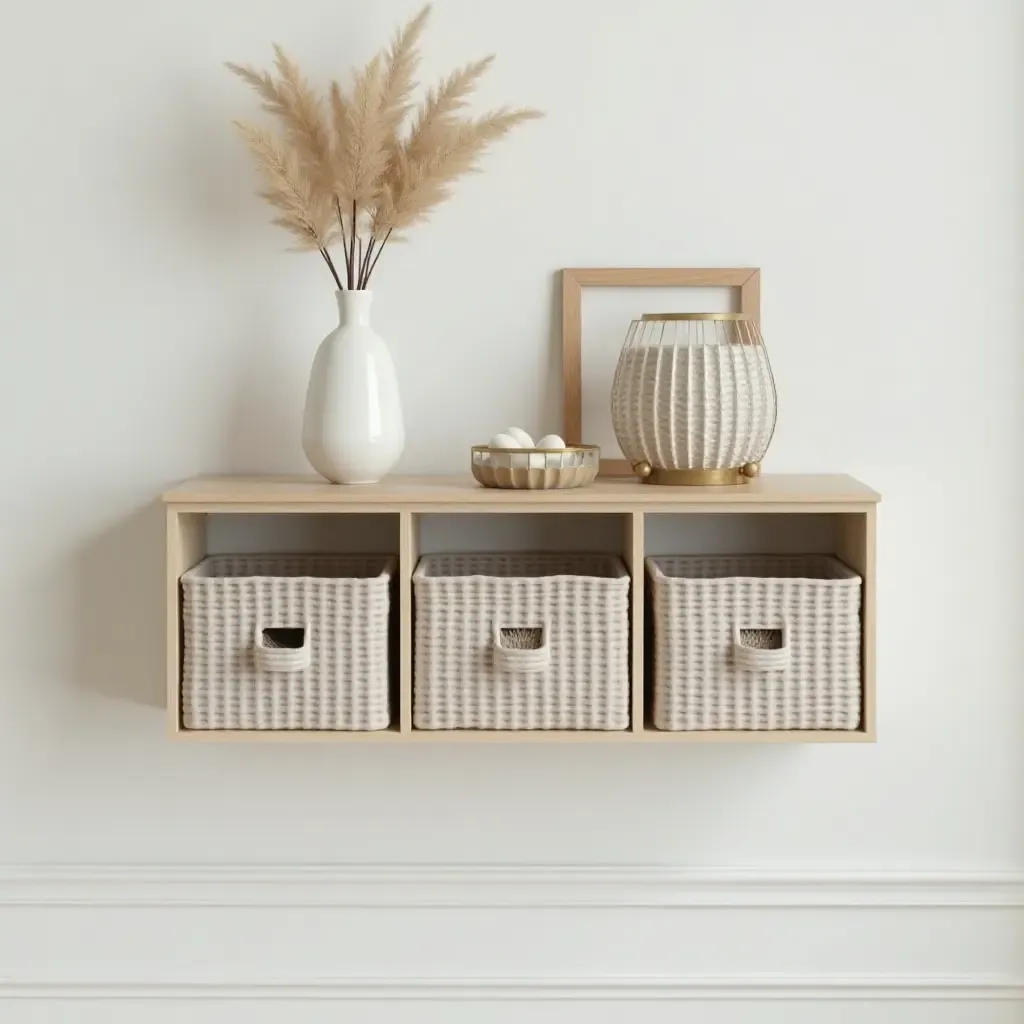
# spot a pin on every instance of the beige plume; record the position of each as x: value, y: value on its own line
x: 349, y: 167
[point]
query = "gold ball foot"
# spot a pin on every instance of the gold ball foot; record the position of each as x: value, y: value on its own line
x: 643, y: 469
x: 751, y: 470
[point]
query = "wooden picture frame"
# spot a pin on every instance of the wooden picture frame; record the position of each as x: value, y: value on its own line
x: 746, y: 279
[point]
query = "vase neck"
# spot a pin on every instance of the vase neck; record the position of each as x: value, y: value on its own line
x: 354, y: 307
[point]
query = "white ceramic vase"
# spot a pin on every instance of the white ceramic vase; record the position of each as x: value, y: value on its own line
x: 352, y: 429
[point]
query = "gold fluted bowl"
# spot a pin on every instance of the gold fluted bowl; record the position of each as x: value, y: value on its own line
x: 535, y: 469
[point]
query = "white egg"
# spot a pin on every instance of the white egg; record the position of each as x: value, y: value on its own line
x: 551, y: 441
x: 503, y: 441
x: 523, y: 439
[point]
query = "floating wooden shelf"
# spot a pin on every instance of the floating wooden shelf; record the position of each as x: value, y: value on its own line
x: 842, y: 515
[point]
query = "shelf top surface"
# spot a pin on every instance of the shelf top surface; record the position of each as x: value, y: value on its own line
x: 419, y: 492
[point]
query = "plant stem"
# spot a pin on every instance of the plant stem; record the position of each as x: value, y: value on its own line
x: 334, y: 273
x: 371, y: 245
x: 352, y: 249
x: 344, y: 243
x: 377, y: 257
x: 359, y: 274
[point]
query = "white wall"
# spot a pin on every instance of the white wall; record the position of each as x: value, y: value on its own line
x: 869, y: 158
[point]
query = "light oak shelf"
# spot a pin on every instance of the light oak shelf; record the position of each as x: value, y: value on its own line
x: 845, y: 506
x: 646, y: 735
x: 283, y: 494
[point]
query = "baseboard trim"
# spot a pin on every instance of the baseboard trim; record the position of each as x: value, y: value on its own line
x: 492, y: 886
x: 703, y: 989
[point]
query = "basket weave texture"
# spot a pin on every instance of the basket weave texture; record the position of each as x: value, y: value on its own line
x: 521, y: 641
x: 693, y: 406
x: 756, y: 642
x: 236, y: 609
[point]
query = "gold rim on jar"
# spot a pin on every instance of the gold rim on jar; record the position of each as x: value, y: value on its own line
x: 696, y: 316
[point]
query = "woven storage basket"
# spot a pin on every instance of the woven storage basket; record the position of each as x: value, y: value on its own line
x: 521, y: 641
x: 286, y: 642
x: 756, y: 642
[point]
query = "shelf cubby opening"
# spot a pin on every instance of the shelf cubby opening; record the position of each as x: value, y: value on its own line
x: 199, y: 535
x: 710, y: 533
x: 446, y: 533
x: 607, y: 533
x: 303, y: 532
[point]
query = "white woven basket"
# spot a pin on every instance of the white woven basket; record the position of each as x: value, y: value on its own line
x: 521, y: 641
x: 756, y: 642
x: 286, y: 642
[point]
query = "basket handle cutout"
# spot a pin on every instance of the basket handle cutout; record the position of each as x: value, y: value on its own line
x: 291, y: 637
x: 521, y: 648
x: 282, y: 648
x: 761, y: 650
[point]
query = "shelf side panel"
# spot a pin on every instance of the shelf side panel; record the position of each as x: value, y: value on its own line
x: 408, y: 555
x: 186, y: 546
x: 855, y: 545
x: 633, y: 551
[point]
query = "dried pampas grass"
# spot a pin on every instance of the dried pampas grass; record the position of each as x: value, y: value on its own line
x: 344, y: 169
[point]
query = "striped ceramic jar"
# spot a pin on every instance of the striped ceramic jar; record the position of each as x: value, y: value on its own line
x: 693, y: 400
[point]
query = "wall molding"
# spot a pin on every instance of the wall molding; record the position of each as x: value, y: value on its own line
x: 762, y: 988
x: 413, y: 886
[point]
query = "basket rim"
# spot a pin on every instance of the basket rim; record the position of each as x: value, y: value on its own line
x: 656, y: 571
x: 388, y: 566
x: 614, y: 561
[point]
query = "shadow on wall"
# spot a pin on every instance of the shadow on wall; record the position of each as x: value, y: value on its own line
x: 198, y: 180
x: 246, y: 387
x: 118, y: 610
x: 118, y: 613
x: 551, y: 397
x: 261, y: 428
